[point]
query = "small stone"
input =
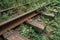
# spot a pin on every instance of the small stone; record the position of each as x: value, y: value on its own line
x: 55, y: 10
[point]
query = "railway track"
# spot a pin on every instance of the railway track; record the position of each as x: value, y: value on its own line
x: 26, y: 17
x: 16, y: 22
x: 18, y: 16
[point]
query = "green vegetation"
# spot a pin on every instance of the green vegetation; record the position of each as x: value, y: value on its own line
x: 52, y: 27
x: 12, y: 3
x: 33, y: 4
x: 5, y: 15
x: 30, y: 33
x: 53, y: 24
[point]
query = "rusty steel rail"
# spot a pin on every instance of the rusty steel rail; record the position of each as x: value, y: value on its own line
x: 5, y: 22
x: 14, y: 18
x: 16, y: 22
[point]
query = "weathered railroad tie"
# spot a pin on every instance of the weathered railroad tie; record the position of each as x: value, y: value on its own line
x: 12, y: 35
x: 36, y: 24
